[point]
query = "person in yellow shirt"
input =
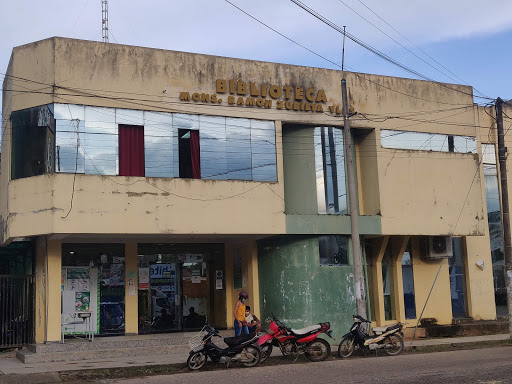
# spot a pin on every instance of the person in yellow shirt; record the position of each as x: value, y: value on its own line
x: 239, y: 314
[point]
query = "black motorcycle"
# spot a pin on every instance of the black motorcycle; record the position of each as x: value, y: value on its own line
x: 243, y: 349
x: 390, y: 339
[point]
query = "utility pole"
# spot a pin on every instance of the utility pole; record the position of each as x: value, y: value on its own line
x: 505, y: 208
x: 104, y: 20
x: 359, y: 283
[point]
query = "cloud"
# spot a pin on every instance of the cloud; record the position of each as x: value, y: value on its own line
x: 215, y: 27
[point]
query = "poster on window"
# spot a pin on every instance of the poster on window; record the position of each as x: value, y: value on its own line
x: 192, y: 258
x: 82, y: 301
x: 79, y: 294
x: 77, y: 279
x: 77, y: 273
x: 116, y: 275
x: 163, y: 277
x: 143, y: 278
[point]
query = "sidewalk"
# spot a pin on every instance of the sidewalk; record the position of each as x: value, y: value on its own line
x: 14, y: 371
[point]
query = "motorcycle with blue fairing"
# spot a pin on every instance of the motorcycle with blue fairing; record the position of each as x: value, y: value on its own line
x: 243, y: 349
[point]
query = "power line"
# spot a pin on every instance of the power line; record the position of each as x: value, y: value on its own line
x: 375, y: 51
x: 397, y: 42
x: 417, y: 47
x: 337, y: 65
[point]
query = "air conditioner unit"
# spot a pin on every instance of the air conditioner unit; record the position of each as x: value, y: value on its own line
x: 438, y: 247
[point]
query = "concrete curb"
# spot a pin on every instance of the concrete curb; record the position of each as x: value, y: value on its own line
x: 46, y: 373
x: 33, y: 378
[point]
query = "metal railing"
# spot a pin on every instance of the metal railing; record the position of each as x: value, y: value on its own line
x: 16, y: 310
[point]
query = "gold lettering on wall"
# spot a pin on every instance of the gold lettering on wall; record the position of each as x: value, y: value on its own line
x: 222, y: 86
x: 251, y: 94
x: 321, y: 96
x: 241, y: 87
x: 310, y: 94
x: 299, y: 93
x: 275, y: 92
x: 232, y: 84
x: 287, y: 91
x: 254, y: 90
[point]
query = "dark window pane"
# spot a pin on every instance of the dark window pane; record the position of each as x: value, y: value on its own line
x: 333, y: 250
x: 387, y: 284
x: 237, y: 269
x: 330, y: 170
x: 408, y: 283
x: 33, y: 142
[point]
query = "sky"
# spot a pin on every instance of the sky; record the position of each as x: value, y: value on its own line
x: 455, y: 41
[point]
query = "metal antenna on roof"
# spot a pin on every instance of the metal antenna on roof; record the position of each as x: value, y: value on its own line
x: 104, y: 21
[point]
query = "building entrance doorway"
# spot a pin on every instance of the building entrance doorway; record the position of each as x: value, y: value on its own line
x: 93, y: 288
x: 177, y: 288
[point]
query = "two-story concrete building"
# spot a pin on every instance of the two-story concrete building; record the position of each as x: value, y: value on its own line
x: 156, y: 185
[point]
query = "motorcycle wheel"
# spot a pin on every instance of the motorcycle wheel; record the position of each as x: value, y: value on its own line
x: 346, y: 347
x: 251, y: 349
x: 394, y: 345
x: 318, y: 350
x: 266, y: 351
x: 196, y: 361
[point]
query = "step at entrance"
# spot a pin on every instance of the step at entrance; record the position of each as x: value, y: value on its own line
x: 110, y: 347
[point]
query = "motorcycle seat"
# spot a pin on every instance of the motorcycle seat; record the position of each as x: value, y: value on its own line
x: 381, y: 330
x: 306, y: 330
x: 237, y: 340
x: 394, y: 326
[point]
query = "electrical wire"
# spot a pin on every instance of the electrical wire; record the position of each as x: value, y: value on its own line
x: 359, y: 75
x: 397, y: 42
x: 417, y: 47
x: 377, y: 52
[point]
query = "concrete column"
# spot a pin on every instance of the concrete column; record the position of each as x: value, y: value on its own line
x: 253, y: 278
x: 378, y: 287
x: 398, y: 248
x: 131, y: 305
x: 479, y: 278
x: 53, y: 287
x: 228, y: 280
x: 40, y: 291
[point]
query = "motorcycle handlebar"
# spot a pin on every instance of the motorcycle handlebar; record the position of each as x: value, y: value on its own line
x: 360, y: 318
x: 280, y: 323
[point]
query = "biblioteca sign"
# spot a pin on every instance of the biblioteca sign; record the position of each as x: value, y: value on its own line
x: 242, y: 94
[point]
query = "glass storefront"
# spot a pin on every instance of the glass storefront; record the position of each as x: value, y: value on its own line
x: 92, y: 284
x: 179, y: 286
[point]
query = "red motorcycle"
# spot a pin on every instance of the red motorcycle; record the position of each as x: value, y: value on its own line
x: 296, y: 341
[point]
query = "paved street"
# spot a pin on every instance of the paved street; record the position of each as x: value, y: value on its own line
x: 490, y: 365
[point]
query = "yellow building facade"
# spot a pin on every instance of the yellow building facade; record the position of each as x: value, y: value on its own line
x: 235, y: 180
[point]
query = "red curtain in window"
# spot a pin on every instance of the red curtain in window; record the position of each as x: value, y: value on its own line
x: 131, y: 150
x: 194, y: 154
